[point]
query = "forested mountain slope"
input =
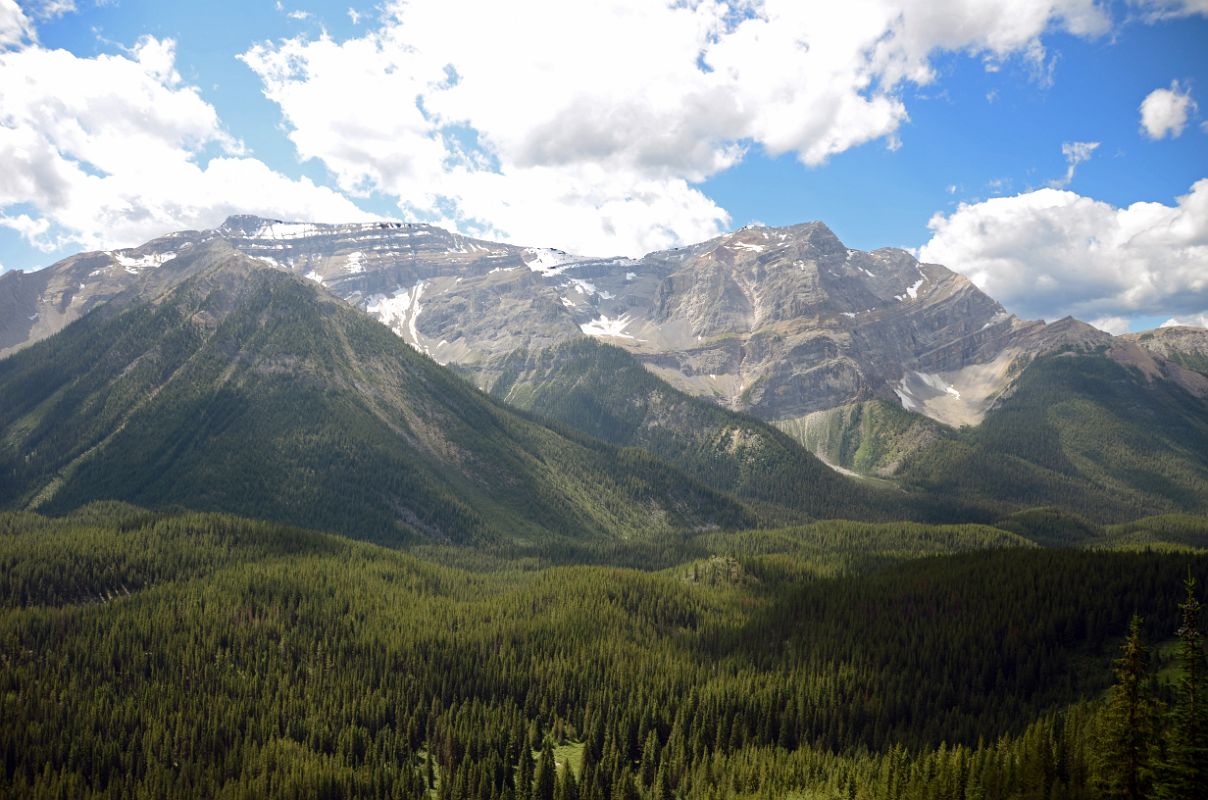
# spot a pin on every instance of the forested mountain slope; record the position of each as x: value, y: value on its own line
x: 1085, y: 431
x: 243, y: 388
x: 605, y: 392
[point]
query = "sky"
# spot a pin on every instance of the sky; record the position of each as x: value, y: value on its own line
x: 1053, y: 151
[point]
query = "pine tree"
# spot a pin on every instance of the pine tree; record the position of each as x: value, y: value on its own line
x: 547, y: 775
x: 662, y: 784
x: 650, y: 758
x: 1184, y: 774
x: 1126, y: 745
x: 524, y: 774
x: 623, y: 787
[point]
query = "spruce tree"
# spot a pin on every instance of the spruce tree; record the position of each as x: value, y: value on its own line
x: 547, y: 775
x: 650, y: 758
x: 1128, y: 734
x: 1184, y: 774
x: 524, y: 773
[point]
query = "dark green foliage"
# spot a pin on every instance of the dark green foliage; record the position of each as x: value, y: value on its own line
x: 545, y: 779
x: 833, y: 548
x: 1129, y: 734
x: 1052, y: 527
x: 147, y: 655
x: 1169, y: 531
x: 1183, y: 775
x: 245, y: 390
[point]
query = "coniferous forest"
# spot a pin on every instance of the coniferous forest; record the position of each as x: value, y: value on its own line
x: 168, y: 655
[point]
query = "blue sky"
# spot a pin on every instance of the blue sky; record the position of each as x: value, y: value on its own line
x: 624, y: 126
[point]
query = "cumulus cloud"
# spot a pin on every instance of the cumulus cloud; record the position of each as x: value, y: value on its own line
x: 108, y: 151
x: 1164, y: 112
x: 15, y: 27
x: 1049, y: 253
x: 1193, y: 321
x: 601, y: 116
x: 1075, y: 153
x: 1112, y: 325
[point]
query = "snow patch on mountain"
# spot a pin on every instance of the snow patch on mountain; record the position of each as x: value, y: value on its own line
x: 548, y: 261
x: 911, y: 291
x: 399, y: 312
x: 587, y: 288
x: 286, y: 230
x: 606, y: 326
x: 134, y: 264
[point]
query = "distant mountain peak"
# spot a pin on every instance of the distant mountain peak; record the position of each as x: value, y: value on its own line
x: 244, y: 224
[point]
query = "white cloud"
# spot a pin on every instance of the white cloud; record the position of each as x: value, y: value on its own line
x: 1112, y: 325
x: 1164, y: 112
x: 1049, y: 253
x: 109, y: 151
x: 614, y: 108
x: 1157, y: 10
x: 15, y: 27
x: 52, y: 9
x: 1190, y: 320
x: 1075, y: 153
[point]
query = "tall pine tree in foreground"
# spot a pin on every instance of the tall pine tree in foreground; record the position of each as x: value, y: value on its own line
x: 1184, y: 773
x: 546, y: 779
x: 1127, y: 746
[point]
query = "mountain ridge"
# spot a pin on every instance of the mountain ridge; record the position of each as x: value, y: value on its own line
x: 244, y: 388
x: 786, y: 325
x: 779, y: 322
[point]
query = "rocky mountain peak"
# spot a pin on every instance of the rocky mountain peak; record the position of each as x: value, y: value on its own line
x: 244, y: 224
x: 779, y: 322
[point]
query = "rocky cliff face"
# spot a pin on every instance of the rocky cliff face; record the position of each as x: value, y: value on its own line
x: 779, y: 322
x: 1187, y: 347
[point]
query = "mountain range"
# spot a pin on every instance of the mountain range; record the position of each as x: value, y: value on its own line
x: 769, y: 375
